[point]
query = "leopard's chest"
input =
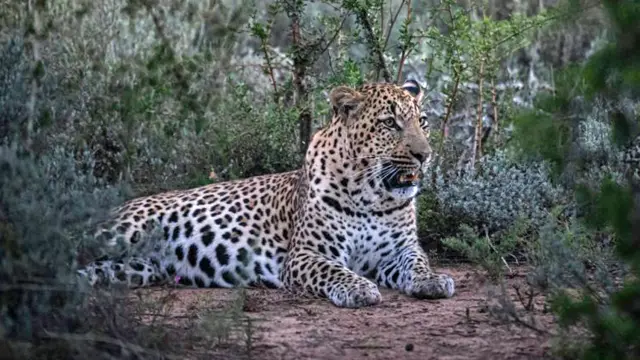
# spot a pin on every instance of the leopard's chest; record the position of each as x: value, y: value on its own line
x: 375, y: 240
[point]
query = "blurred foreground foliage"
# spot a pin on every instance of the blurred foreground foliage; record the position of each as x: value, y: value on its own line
x: 532, y: 106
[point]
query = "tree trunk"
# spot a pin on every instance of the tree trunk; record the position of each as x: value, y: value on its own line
x: 300, y: 64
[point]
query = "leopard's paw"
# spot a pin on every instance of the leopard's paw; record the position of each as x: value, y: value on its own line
x: 434, y: 286
x: 364, y: 293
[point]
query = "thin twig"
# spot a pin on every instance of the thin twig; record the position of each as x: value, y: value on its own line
x: 264, y: 46
x: 494, y: 104
x: 382, y: 18
x: 528, y: 303
x: 508, y: 308
x: 476, y: 152
x: 486, y: 234
x: 545, y: 20
x: 392, y: 24
x: 457, y: 74
x: 443, y: 130
x: 334, y: 36
x: 519, y: 321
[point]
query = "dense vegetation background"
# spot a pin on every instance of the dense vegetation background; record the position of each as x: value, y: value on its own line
x: 533, y: 105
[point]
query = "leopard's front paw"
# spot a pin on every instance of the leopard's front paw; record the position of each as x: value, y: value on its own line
x: 358, y: 295
x: 433, y: 287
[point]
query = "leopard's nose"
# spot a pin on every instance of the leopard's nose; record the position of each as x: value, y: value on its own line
x: 421, y: 156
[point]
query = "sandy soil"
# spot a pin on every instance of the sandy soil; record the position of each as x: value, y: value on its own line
x: 288, y: 327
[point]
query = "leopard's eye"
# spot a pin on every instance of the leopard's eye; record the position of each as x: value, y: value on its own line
x: 389, y: 122
x: 424, y: 123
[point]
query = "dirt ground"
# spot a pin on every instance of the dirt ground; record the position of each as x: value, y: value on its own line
x: 288, y: 327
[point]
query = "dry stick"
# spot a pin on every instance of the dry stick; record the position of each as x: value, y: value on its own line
x: 510, y: 312
x: 532, y: 294
x: 476, y: 152
x: 504, y: 261
x: 405, y: 50
x: 494, y: 105
x: 516, y: 318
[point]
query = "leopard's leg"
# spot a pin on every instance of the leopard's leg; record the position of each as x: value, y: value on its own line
x: 408, y: 270
x: 132, y: 272
x: 136, y: 260
x: 327, y: 277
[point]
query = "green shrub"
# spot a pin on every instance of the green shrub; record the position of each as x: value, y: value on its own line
x: 47, y: 204
x: 492, y: 253
x: 609, y: 314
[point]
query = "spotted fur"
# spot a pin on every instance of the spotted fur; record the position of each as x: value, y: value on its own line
x: 338, y: 228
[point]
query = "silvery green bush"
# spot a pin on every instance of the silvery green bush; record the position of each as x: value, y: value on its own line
x: 505, y: 187
x: 13, y: 86
x: 499, y: 193
x: 594, y: 145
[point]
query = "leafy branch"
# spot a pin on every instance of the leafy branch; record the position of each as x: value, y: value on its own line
x: 371, y: 38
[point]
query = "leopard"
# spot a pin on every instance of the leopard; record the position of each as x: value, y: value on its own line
x: 338, y: 228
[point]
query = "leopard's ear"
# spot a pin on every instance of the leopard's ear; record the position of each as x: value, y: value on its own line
x: 414, y: 88
x: 346, y: 103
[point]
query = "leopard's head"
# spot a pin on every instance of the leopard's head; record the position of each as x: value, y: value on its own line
x: 387, y: 136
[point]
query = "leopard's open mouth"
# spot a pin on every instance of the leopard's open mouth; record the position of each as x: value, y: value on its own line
x: 403, y: 179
